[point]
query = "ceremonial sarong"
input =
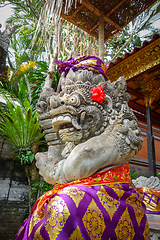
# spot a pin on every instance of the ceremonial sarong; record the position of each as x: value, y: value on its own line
x: 151, y: 199
x: 104, y: 206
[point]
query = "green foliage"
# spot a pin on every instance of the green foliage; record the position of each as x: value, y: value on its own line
x: 26, y: 157
x: 10, y: 89
x: 20, y: 77
x: 56, y: 78
x: 24, y: 11
x: 42, y: 187
x: 36, y: 80
x: 14, y: 86
x: 133, y: 175
x: 20, y: 46
x: 19, y: 127
x: 158, y: 175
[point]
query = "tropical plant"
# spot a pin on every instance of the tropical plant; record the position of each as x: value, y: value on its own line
x: 24, y: 83
x: 26, y: 65
x: 36, y: 81
x: 41, y: 187
x: 21, y: 128
x: 14, y: 85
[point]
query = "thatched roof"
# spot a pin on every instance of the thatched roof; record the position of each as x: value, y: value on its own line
x: 117, y: 14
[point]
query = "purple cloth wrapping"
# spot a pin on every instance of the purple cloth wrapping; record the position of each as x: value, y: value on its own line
x: 151, y: 199
x: 107, y: 212
x: 92, y: 63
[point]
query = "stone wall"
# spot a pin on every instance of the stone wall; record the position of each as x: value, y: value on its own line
x: 14, y: 192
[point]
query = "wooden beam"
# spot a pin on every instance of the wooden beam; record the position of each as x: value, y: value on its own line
x: 113, y: 23
x: 96, y: 25
x: 98, y: 13
x: 76, y: 11
x: 136, y: 94
x: 139, y: 108
x: 142, y: 163
x: 76, y: 24
x: 115, y: 8
x: 112, y: 34
x: 140, y: 96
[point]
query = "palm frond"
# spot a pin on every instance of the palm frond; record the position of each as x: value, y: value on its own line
x: 9, y: 97
x: 18, y: 128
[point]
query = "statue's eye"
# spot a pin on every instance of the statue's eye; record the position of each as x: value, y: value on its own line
x: 74, y: 100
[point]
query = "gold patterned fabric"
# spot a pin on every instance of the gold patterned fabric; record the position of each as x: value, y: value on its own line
x: 120, y: 174
x: 104, y: 211
x: 151, y: 199
x: 92, y: 63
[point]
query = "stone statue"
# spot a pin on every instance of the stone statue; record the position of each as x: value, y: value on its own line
x: 152, y: 182
x: 92, y: 134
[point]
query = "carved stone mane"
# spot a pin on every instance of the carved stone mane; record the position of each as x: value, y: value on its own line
x: 152, y: 182
x: 83, y: 135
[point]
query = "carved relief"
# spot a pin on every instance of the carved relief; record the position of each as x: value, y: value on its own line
x: 138, y: 63
x: 152, y: 182
x: 84, y: 135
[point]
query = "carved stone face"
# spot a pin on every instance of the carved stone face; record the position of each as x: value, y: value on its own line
x: 96, y: 135
x: 73, y: 118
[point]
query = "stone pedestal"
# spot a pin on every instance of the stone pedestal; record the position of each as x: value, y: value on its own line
x: 154, y: 226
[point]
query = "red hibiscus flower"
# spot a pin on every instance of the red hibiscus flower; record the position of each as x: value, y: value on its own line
x: 97, y: 94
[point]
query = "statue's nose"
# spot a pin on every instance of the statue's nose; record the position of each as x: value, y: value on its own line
x: 63, y: 100
x: 54, y: 102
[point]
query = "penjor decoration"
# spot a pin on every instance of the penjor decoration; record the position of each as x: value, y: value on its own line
x: 92, y: 134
